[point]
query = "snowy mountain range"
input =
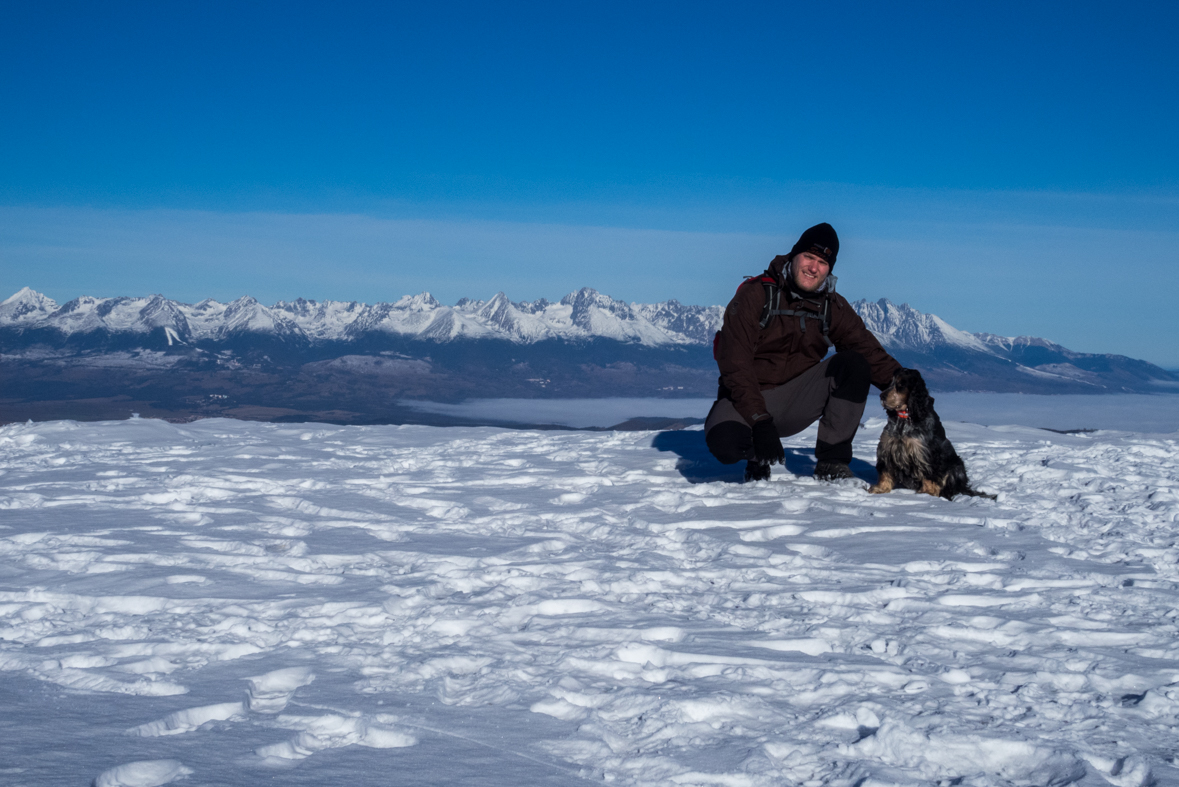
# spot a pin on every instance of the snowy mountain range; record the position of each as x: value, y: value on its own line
x: 362, y: 359
x: 585, y: 314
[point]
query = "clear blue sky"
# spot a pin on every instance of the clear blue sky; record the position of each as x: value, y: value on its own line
x: 1011, y: 167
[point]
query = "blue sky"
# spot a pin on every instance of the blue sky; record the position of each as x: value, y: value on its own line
x: 1009, y: 167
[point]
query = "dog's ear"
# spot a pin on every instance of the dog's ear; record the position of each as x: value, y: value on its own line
x: 920, y: 402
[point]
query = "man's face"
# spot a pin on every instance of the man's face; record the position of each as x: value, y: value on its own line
x: 810, y: 271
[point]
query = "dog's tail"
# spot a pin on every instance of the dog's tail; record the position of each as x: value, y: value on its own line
x: 976, y: 493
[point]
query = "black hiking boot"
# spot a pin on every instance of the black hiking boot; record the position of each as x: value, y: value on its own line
x: 829, y: 470
x: 757, y: 471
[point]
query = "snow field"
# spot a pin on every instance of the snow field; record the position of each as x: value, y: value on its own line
x: 416, y: 605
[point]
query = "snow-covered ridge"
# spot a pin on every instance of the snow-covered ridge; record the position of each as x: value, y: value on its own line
x: 580, y: 315
x: 584, y: 314
x: 904, y: 328
x: 292, y: 333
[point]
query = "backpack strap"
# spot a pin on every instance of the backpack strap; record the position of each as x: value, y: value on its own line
x: 773, y: 301
x: 773, y: 308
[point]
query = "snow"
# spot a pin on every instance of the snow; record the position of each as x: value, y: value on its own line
x: 235, y: 603
x: 323, y: 320
x: 148, y: 773
x: 246, y: 315
x: 582, y: 315
x: 26, y: 306
x: 903, y: 327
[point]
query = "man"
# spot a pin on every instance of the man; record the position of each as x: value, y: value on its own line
x: 774, y: 381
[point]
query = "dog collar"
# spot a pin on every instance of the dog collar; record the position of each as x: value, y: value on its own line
x: 902, y: 413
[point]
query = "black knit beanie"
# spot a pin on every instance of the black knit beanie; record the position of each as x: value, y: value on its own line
x: 819, y: 240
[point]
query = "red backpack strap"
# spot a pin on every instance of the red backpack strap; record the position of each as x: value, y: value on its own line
x: 763, y: 279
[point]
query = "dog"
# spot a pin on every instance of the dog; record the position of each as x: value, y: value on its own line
x: 914, y: 452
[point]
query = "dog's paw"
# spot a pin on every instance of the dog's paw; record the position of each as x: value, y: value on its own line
x: 877, y: 489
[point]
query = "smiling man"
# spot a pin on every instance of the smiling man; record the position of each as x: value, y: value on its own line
x: 775, y: 378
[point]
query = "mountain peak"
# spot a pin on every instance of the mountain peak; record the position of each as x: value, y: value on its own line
x: 25, y: 295
x: 497, y: 310
x: 586, y: 296
x: 906, y: 328
x: 421, y: 302
x: 590, y: 306
x: 26, y: 305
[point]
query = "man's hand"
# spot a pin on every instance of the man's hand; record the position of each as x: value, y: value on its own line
x: 767, y: 446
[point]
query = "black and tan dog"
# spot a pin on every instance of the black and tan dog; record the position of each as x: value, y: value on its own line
x: 914, y: 452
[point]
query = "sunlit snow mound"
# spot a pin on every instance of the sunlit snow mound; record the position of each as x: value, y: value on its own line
x: 381, y: 605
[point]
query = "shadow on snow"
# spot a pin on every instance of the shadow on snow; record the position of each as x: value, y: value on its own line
x: 699, y: 466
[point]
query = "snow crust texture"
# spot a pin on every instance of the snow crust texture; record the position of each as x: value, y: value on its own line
x: 415, y: 605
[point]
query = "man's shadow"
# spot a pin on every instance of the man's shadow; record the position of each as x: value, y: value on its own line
x: 697, y: 464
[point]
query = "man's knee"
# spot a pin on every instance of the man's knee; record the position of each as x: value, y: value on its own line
x: 851, y: 376
x: 730, y: 441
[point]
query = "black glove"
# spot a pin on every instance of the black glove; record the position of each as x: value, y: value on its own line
x: 767, y: 446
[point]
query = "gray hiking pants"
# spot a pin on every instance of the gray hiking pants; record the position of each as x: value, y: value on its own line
x: 832, y: 393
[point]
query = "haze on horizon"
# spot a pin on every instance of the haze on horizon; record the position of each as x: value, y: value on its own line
x: 1008, y: 167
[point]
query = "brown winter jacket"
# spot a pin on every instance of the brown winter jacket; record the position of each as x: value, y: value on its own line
x: 753, y: 359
